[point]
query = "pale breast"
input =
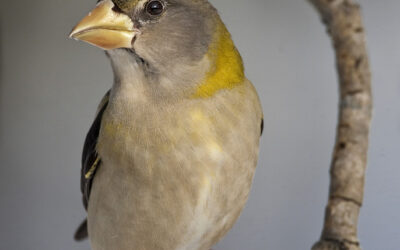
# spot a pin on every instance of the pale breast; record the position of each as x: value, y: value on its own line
x: 174, y: 177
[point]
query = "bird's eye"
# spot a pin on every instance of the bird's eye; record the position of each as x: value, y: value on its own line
x: 154, y: 8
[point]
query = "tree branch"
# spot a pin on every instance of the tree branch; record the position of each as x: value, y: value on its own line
x: 344, y: 23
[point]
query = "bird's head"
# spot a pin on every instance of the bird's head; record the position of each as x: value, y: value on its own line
x: 184, y: 39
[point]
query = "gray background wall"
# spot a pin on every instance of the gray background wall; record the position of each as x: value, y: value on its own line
x: 50, y: 87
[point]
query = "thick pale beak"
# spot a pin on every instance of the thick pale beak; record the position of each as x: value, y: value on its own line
x: 105, y: 28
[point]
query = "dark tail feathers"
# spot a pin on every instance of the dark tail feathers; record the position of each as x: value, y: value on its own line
x: 82, y: 232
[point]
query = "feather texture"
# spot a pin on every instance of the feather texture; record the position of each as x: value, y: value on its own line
x: 90, y: 162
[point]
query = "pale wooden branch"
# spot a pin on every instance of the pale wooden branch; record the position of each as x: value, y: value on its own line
x: 344, y: 23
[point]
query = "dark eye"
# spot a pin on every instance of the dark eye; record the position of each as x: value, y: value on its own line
x: 154, y: 8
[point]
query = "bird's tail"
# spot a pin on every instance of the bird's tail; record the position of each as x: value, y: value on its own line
x: 82, y: 231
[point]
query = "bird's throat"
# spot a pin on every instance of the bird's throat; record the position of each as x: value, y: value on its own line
x: 226, y: 70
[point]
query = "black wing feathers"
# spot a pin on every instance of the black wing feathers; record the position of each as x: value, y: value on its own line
x: 262, y: 126
x: 90, y: 159
x: 90, y: 162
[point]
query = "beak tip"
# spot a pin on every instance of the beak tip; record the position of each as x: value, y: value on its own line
x: 72, y: 34
x: 104, y: 29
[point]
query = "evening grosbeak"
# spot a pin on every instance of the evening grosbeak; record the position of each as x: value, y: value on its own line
x: 169, y: 160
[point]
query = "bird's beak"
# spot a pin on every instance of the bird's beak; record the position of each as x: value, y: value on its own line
x: 105, y: 28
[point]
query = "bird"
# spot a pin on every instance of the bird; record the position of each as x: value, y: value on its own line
x: 170, y: 158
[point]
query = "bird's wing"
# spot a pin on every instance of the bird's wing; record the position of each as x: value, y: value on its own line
x: 262, y: 126
x: 90, y: 162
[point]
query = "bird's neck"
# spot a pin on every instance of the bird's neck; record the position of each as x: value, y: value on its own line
x: 221, y: 68
x: 226, y: 69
